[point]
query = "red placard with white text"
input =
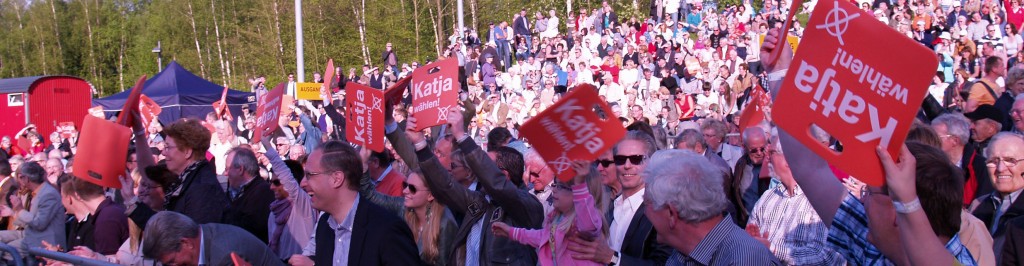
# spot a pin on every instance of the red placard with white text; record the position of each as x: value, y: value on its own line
x: 149, y: 110
x: 364, y: 109
x: 435, y: 90
x: 268, y: 111
x: 571, y: 130
x: 863, y: 91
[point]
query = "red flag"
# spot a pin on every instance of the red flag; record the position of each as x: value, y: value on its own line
x: 221, y: 106
x: 148, y: 109
x: 328, y: 76
x: 754, y: 113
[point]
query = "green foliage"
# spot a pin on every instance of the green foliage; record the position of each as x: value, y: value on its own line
x: 109, y: 42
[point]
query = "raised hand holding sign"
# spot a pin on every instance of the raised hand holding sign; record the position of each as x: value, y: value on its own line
x: 862, y: 91
x: 106, y: 143
x: 572, y: 129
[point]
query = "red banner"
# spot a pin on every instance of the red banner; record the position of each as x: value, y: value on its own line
x: 268, y: 111
x: 862, y: 91
x: 435, y: 90
x: 364, y: 109
x: 149, y: 110
x: 571, y: 130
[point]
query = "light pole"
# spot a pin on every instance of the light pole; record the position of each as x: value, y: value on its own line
x: 300, y: 71
x: 159, y: 57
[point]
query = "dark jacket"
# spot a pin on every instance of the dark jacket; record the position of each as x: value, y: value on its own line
x: 378, y: 238
x: 220, y: 240
x: 1013, y: 248
x: 251, y: 210
x: 506, y: 203
x: 640, y: 246
x: 521, y: 26
x: 975, y: 175
x: 201, y: 199
x: 985, y: 209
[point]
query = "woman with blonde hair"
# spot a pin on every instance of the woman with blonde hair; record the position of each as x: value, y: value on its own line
x: 433, y: 225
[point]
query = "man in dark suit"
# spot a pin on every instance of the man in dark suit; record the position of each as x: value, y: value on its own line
x: 498, y: 200
x: 249, y: 195
x: 632, y: 239
x: 351, y: 230
x: 174, y: 239
x: 521, y: 27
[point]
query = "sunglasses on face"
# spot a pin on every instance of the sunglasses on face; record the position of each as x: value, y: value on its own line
x: 604, y: 163
x: 757, y: 150
x: 633, y: 159
x: 412, y: 189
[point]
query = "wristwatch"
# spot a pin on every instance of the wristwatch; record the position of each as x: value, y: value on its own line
x: 615, y: 259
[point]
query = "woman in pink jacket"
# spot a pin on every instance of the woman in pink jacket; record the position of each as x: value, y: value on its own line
x: 574, y: 213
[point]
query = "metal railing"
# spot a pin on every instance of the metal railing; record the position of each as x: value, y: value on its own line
x: 64, y: 257
x: 14, y: 254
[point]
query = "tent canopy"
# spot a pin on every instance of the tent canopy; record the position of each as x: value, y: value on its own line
x: 180, y: 94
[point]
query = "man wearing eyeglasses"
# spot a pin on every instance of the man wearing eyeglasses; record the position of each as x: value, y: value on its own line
x: 747, y: 186
x: 1004, y: 166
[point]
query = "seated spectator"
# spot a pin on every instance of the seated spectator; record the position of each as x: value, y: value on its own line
x: 99, y: 224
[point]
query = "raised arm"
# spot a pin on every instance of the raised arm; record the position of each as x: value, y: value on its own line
x: 920, y: 243
x: 295, y: 193
x: 143, y: 156
x: 517, y: 203
x: 814, y: 171
x: 457, y: 197
x: 368, y: 190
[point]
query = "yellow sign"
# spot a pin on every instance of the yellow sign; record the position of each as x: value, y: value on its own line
x: 308, y: 91
x: 792, y: 40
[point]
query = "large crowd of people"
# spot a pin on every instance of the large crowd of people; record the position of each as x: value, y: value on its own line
x: 686, y: 185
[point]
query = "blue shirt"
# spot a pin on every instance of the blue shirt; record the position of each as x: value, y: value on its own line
x: 849, y: 236
x: 726, y: 244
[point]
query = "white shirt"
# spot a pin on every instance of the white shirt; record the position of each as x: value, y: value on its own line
x: 622, y: 216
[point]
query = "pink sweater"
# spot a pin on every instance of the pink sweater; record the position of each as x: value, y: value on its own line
x: 588, y: 221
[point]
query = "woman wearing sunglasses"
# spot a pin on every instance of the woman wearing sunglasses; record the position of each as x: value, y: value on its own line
x: 433, y: 225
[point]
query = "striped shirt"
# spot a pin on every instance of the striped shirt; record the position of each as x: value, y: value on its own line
x: 849, y: 236
x: 795, y: 232
x: 726, y: 244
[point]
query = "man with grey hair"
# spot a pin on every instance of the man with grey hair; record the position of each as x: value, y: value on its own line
x: 174, y: 239
x: 1017, y: 114
x: 954, y: 131
x: 692, y: 140
x: 747, y: 184
x: 296, y: 152
x: 714, y: 133
x: 785, y: 219
x: 1005, y: 169
x: 686, y: 204
x: 54, y: 169
x: 248, y: 194
x: 43, y: 219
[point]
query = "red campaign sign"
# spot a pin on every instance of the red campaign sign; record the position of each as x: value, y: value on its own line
x: 328, y: 77
x: 148, y: 109
x: 863, y: 91
x: 364, y: 109
x: 105, y: 143
x: 755, y: 112
x: 435, y: 90
x: 571, y: 130
x: 66, y: 129
x: 268, y: 111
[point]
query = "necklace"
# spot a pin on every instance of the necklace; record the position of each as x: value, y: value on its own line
x: 551, y: 239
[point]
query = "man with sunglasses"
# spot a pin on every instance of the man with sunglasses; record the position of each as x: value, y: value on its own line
x: 747, y: 184
x: 632, y: 239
